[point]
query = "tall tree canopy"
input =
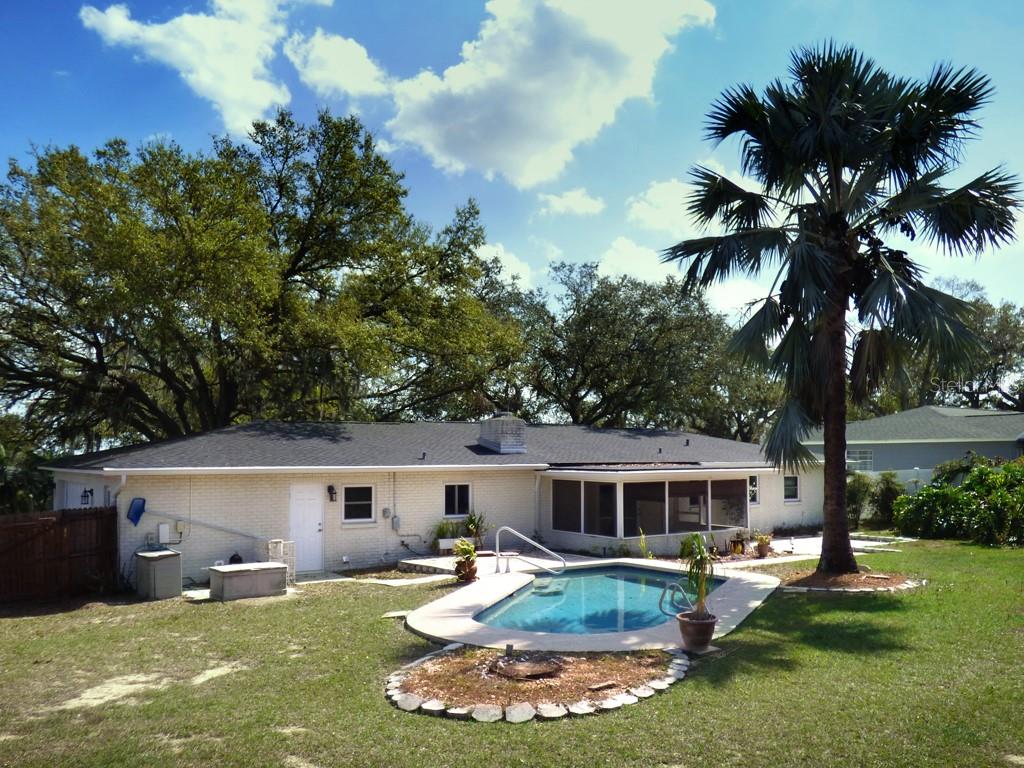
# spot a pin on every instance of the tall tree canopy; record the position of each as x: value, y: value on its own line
x: 618, y: 351
x: 846, y: 155
x: 158, y: 293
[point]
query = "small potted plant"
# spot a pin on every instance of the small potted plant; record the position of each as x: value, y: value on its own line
x: 465, y: 560
x: 697, y: 627
x: 764, y: 543
x: 476, y: 526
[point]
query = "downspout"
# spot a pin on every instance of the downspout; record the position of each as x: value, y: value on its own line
x: 120, y: 487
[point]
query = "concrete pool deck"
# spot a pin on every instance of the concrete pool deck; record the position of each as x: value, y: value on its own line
x: 450, y: 618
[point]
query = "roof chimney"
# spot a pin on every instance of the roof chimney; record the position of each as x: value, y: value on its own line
x: 503, y: 433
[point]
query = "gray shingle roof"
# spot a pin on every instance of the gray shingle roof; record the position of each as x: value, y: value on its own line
x: 932, y: 423
x: 388, y: 444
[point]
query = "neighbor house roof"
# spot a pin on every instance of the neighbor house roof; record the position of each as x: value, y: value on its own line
x: 933, y: 424
x: 291, y: 446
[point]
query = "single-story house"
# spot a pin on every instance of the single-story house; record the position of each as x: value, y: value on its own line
x: 363, y: 494
x: 911, y: 443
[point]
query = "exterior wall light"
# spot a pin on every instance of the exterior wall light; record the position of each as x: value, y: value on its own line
x: 332, y: 493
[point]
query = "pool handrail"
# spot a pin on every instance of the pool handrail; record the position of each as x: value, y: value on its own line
x: 528, y: 540
x: 673, y: 589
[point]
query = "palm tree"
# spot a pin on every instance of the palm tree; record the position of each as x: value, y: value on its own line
x: 847, y: 156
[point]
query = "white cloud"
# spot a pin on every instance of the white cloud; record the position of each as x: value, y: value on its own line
x: 541, y: 78
x: 662, y: 206
x: 333, y: 65
x: 625, y: 257
x: 222, y: 55
x: 575, y: 201
x: 511, y: 265
x: 551, y: 251
x: 733, y: 297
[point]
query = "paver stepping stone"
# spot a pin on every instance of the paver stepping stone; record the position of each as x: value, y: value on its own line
x: 612, y: 703
x: 487, y: 713
x: 408, y: 702
x: 671, y: 679
x: 520, y: 713
x: 433, y: 707
x: 551, y: 711
x: 677, y: 674
x: 642, y: 691
x: 627, y: 698
x: 458, y: 713
x: 657, y: 685
x: 582, y: 708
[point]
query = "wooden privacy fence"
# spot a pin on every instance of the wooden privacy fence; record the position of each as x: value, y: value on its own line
x: 58, y: 554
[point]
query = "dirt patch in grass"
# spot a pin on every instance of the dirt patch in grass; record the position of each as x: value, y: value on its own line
x: 844, y: 580
x: 381, y: 573
x: 464, y: 678
x: 117, y: 689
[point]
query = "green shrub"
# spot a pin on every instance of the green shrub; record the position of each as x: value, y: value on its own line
x: 859, y: 488
x: 954, y: 471
x: 987, y: 507
x: 883, y: 496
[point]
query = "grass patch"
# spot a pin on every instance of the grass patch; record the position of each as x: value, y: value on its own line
x: 930, y: 677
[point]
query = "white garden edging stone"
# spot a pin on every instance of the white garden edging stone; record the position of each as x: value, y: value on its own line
x: 525, y: 711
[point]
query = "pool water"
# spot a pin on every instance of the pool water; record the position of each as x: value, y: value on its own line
x: 587, y: 601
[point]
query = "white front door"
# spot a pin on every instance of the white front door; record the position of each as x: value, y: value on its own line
x: 306, y: 513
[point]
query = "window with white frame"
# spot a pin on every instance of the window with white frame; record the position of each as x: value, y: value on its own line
x: 860, y: 460
x: 753, y: 490
x: 791, y: 488
x: 456, y: 499
x: 357, y: 503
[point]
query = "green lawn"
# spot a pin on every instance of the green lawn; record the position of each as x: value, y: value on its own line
x: 932, y: 677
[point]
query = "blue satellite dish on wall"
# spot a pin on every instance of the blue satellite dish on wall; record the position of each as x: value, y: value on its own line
x: 135, y: 510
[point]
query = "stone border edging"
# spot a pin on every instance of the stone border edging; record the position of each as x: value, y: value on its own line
x: 522, y: 712
x: 908, y: 584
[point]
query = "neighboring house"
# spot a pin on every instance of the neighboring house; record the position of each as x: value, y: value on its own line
x: 363, y: 494
x: 913, y: 442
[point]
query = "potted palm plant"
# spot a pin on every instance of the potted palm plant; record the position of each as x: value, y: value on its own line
x: 465, y: 560
x: 698, y: 626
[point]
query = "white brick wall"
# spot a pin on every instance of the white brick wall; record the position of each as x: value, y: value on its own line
x: 258, y: 505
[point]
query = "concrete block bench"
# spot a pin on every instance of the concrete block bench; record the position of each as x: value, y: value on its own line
x: 232, y: 582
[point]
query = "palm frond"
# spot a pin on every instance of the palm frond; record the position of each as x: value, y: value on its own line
x: 878, y: 356
x: 937, y: 118
x: 716, y: 258
x: 737, y: 110
x: 978, y: 215
x: 925, y: 318
x: 716, y: 197
x: 752, y: 340
x: 783, y: 445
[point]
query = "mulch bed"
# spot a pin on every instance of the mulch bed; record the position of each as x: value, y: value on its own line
x: 467, y: 677
x: 845, y: 580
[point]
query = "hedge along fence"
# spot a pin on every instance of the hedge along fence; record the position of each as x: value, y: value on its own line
x: 988, y: 507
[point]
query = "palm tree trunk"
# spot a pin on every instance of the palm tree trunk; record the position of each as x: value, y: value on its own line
x: 836, y: 552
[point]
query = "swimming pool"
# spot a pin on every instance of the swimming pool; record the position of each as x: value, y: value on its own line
x: 617, y: 598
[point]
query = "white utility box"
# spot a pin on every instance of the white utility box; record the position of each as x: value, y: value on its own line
x: 231, y: 582
x: 158, y: 574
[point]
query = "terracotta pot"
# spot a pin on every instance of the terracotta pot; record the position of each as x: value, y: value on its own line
x: 763, y: 548
x: 697, y: 633
x: 465, y: 570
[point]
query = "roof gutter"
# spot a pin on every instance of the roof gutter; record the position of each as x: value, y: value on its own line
x: 309, y: 470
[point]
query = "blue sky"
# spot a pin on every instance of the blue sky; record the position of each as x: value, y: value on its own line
x: 572, y: 122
